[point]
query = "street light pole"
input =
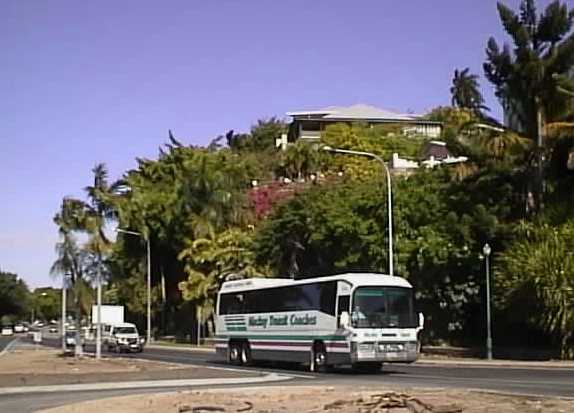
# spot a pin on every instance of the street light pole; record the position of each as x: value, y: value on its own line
x: 148, y: 247
x: 487, y: 250
x: 389, y: 193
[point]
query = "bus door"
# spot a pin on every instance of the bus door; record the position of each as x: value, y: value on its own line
x: 343, y: 304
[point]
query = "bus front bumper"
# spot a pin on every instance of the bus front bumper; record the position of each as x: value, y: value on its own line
x: 404, y: 352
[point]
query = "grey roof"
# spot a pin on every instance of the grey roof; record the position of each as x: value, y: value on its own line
x: 358, y: 112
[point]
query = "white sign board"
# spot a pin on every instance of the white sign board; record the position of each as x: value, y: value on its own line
x: 111, y: 314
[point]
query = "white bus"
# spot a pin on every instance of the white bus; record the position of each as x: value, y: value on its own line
x: 362, y: 320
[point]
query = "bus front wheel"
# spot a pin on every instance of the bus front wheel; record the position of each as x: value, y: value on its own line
x: 245, y: 354
x: 318, y: 358
x: 234, y: 353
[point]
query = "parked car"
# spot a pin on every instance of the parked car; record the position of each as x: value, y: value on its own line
x: 19, y: 328
x: 124, y: 337
x: 53, y: 329
x: 7, y: 331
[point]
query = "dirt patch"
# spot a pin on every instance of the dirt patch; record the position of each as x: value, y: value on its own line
x: 43, y: 361
x: 340, y: 399
x: 30, y: 367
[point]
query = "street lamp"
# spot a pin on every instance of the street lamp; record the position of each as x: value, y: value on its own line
x: 486, y: 251
x: 389, y: 193
x: 139, y: 234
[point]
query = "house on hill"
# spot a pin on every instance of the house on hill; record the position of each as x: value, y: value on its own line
x: 308, y: 125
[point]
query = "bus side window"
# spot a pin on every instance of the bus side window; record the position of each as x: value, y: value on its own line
x: 343, y: 305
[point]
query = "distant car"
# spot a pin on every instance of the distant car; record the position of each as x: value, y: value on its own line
x: 124, y: 337
x: 19, y: 328
x: 53, y: 329
x: 7, y: 331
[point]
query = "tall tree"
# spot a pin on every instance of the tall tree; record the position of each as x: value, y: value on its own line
x: 70, y: 258
x: 14, y: 297
x: 527, y: 78
x: 465, y: 91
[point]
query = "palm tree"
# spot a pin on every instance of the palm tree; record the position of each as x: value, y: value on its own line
x: 300, y: 160
x: 208, y: 262
x: 465, y: 91
x: 71, y: 258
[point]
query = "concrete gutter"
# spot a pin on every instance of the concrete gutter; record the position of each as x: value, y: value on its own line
x: 272, y: 377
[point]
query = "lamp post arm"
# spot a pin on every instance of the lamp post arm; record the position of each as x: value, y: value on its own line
x: 389, y: 193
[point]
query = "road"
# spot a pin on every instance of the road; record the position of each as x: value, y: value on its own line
x: 533, y: 381
x: 5, y: 340
x: 536, y: 381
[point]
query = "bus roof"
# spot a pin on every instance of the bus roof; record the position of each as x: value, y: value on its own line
x: 356, y: 279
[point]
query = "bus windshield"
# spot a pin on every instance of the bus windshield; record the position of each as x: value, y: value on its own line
x: 380, y: 307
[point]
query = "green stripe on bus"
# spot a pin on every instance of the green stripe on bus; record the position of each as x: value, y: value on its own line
x: 235, y: 323
x: 286, y: 337
x: 237, y: 328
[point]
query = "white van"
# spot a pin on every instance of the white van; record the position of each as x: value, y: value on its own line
x: 124, y: 337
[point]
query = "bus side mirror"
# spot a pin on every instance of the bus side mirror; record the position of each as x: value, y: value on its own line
x: 421, y: 321
x: 344, y: 319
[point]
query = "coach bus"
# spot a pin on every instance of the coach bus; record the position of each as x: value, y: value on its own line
x: 362, y: 320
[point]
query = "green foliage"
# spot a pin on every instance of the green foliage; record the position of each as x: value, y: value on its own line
x: 535, y: 280
x: 383, y: 140
x: 208, y: 262
x: 261, y: 138
x: 46, y: 303
x: 300, y: 160
x: 14, y: 298
x: 453, y: 120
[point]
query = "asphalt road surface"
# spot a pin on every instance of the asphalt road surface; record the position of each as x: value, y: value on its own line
x: 533, y: 381
x: 5, y: 340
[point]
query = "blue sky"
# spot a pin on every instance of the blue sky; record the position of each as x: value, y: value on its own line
x: 88, y: 82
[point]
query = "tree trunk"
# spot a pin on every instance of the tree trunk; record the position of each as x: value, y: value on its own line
x: 78, y: 352
x: 539, y: 190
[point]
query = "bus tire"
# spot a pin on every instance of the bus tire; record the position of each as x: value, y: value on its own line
x: 318, y: 358
x: 245, y: 354
x: 234, y: 353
